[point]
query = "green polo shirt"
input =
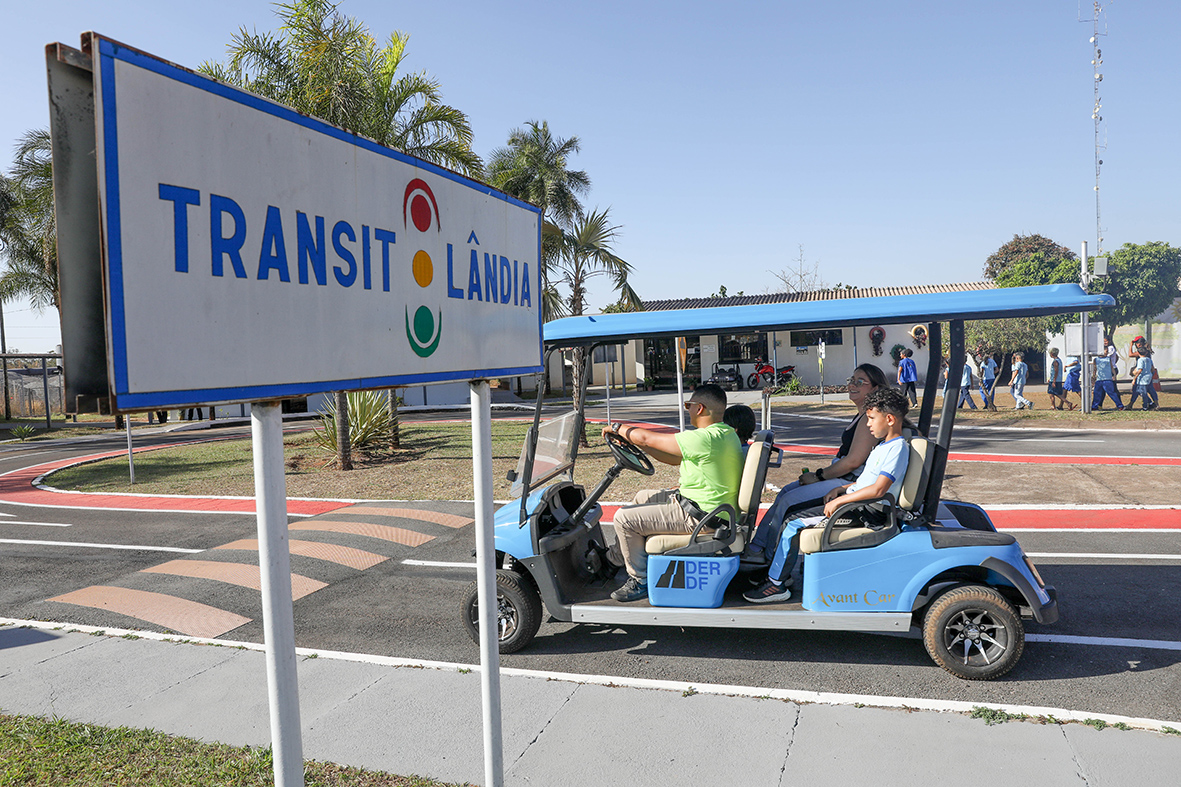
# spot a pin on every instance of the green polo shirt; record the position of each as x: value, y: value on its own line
x: 711, y: 465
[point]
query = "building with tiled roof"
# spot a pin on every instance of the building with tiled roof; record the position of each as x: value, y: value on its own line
x: 845, y: 348
x: 815, y: 295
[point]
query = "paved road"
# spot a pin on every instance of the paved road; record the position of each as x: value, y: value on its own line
x: 363, y: 595
x: 1021, y: 440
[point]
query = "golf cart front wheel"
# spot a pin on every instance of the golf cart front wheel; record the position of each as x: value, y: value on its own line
x: 518, y: 611
x: 973, y: 633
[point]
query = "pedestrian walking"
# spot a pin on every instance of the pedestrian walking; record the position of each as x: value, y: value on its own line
x: 1142, y: 382
x: 908, y: 375
x: 966, y: 387
x: 1113, y: 356
x: 1017, y: 383
x: 1054, y: 386
x: 1101, y: 369
x: 987, y: 381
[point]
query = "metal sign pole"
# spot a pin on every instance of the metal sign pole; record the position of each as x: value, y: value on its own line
x: 607, y: 382
x: 274, y: 557
x: 1084, y: 359
x: 820, y: 362
x: 486, y: 582
x: 45, y: 385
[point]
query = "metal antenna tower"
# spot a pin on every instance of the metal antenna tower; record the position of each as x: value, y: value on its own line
x: 1096, y: 117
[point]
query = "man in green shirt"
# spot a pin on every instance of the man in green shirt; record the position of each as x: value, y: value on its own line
x: 710, y: 458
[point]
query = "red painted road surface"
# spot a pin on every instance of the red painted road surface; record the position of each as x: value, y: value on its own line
x: 17, y: 487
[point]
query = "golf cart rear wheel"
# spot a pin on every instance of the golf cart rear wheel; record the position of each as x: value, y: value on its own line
x: 974, y: 633
x: 518, y: 611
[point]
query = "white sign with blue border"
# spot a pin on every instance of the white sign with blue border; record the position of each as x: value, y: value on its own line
x: 255, y: 253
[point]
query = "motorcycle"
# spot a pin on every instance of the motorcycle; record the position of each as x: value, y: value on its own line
x: 768, y: 375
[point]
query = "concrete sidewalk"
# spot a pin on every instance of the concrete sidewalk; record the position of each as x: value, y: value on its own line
x: 420, y: 718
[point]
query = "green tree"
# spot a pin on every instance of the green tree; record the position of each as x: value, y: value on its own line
x: 1023, y: 246
x: 1026, y: 260
x: 28, y: 227
x: 585, y: 253
x: 534, y: 166
x: 1143, y: 279
x: 327, y: 65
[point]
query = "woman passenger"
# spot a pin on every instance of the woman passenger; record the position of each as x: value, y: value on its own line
x: 809, y: 490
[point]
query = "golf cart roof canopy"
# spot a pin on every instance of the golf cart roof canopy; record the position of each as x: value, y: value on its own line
x: 990, y: 304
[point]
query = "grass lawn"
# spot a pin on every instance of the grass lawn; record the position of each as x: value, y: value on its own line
x: 434, y: 464
x: 55, y: 752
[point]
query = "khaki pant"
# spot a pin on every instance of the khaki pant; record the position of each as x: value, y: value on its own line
x: 652, y: 512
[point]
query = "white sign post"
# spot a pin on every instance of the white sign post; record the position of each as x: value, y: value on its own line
x: 289, y: 257
x: 820, y: 364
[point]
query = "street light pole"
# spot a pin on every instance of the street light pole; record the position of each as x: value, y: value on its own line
x: 4, y: 363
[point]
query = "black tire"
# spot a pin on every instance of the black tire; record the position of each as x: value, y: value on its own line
x: 752, y: 382
x: 974, y: 633
x: 738, y: 381
x: 519, y: 615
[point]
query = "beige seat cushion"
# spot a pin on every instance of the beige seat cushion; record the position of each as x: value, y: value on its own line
x: 918, y: 467
x: 658, y: 545
x: 810, y: 536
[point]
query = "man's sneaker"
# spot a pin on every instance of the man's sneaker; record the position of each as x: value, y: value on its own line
x: 769, y: 592
x: 1029, y: 406
x: 632, y: 590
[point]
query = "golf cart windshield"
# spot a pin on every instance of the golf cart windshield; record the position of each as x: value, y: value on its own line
x: 555, y: 452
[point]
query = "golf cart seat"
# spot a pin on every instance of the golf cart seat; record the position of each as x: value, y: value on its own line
x: 835, y: 535
x: 726, y: 539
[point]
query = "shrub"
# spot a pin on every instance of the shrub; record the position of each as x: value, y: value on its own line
x: 23, y: 432
x: 369, y: 420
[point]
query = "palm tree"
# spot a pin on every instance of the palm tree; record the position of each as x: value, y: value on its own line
x: 584, y: 253
x: 28, y: 227
x: 533, y: 167
x: 327, y: 65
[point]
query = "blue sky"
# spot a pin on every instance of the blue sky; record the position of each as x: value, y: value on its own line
x: 898, y: 143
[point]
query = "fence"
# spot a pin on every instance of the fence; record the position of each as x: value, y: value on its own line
x: 33, y: 389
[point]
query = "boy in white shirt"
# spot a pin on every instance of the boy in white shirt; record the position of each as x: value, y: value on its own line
x: 885, y: 469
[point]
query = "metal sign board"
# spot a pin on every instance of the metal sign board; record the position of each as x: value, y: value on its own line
x: 1073, y: 336
x: 253, y: 253
x: 605, y: 353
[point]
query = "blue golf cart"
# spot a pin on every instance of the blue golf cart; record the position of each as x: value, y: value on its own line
x: 936, y: 568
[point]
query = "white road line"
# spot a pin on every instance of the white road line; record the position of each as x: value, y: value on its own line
x: 1104, y: 555
x: 1125, y: 530
x: 132, y: 547
x: 1106, y: 642
x: 42, y: 524
x: 1051, y: 440
x: 1076, y: 507
x: 825, y: 698
x: 1081, y: 555
x: 438, y: 564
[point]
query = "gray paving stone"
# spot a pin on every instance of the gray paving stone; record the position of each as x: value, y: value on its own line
x: 428, y: 723
x: 95, y: 681
x: 1111, y: 756
x: 840, y: 745
x: 630, y: 736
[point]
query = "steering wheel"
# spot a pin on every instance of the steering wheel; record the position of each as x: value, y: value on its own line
x: 629, y: 455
